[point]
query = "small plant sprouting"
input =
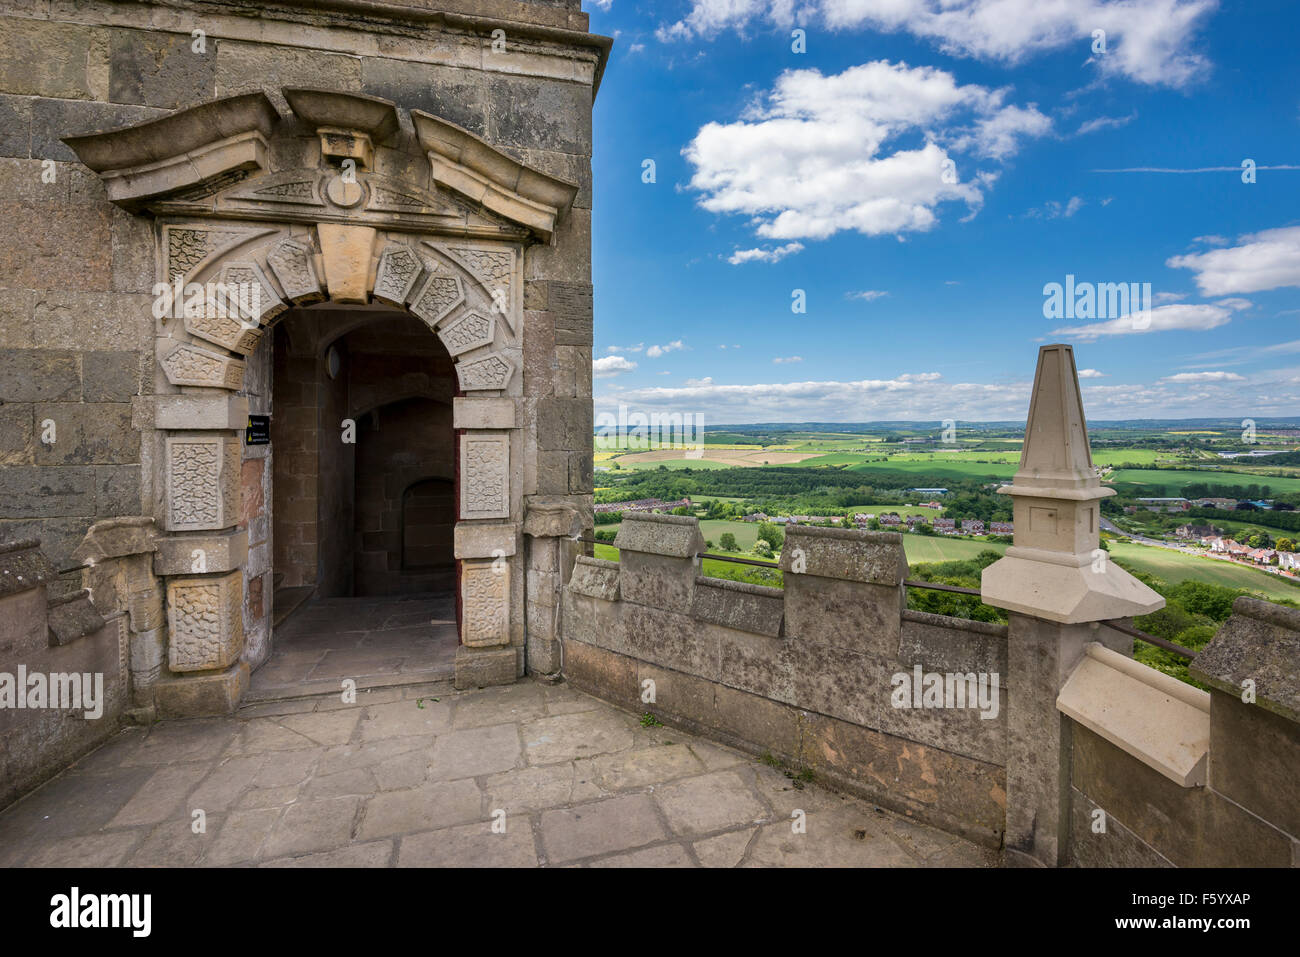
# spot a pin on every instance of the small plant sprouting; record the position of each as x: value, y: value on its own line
x: 650, y: 721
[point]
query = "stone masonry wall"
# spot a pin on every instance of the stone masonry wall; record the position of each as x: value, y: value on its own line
x: 803, y: 672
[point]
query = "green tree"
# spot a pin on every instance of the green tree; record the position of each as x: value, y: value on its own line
x: 1285, y: 545
x: 728, y: 542
x: 762, y: 549
x: 771, y: 533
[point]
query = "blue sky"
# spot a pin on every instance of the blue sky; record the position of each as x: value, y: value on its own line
x: 921, y: 172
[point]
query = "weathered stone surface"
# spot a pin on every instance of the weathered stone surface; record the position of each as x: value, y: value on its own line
x: 190, y: 554
x: 944, y: 644
x: 208, y: 411
x: 71, y: 617
x: 68, y: 54
x: 202, y: 475
x: 485, y: 541
x: 676, y: 536
x: 739, y: 605
x: 844, y: 553
x: 189, y: 697
x: 346, y: 251
x: 485, y: 596
x: 158, y: 69
x: 485, y: 475
x: 484, y: 667
x: 1260, y: 642
x: 205, y: 622
x: 596, y: 578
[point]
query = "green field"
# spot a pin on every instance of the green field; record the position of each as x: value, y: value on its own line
x: 1175, y: 567
x: 921, y: 549
x: 626, y: 466
x: 956, y: 470
x: 1159, y: 483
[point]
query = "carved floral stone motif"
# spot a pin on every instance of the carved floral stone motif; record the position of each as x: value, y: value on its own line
x: 190, y: 365
x: 202, y: 482
x: 188, y: 247
x: 485, y: 475
x: 205, y: 622
x: 493, y: 371
x: 485, y: 594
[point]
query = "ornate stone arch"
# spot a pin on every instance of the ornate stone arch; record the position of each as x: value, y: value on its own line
x: 334, y: 203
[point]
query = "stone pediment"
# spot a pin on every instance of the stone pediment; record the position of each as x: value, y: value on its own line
x: 216, y: 159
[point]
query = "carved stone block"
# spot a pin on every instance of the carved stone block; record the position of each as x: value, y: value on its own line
x: 470, y: 331
x: 190, y: 365
x: 485, y: 597
x: 205, y: 622
x: 399, y: 271
x: 245, y: 276
x: 493, y: 371
x: 440, y: 294
x: 346, y: 251
x: 291, y: 262
x: 202, y: 482
x: 485, y: 475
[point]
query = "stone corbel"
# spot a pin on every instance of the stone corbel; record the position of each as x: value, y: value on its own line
x: 181, y: 150
x: 461, y: 161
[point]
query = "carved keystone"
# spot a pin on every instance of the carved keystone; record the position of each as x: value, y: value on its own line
x: 346, y: 252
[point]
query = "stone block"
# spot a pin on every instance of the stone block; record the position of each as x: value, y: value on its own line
x: 200, y: 695
x: 844, y: 614
x: 603, y: 673
x: 152, y: 68
x: 558, y: 117
x: 658, y: 580
x: 71, y: 617
x: 485, y: 541
x: 201, y: 411
x: 110, y: 376
x: 485, y: 603
x: 676, y: 536
x: 205, y: 621
x: 595, y: 578
x: 65, y: 51
x: 844, y: 553
x: 117, y: 490
x: 85, y: 434
x: 564, y: 424
x: 198, y: 554
x: 1254, y: 754
x: 1260, y: 642
x: 753, y: 608
x: 15, y: 126
x: 246, y: 67
x: 485, y: 475
x: 483, y: 413
x: 944, y: 644
x: 202, y: 475
x: 43, y: 492
x: 346, y: 252
x: 446, y: 92
x: 34, y: 375
x: 53, y: 119
x: 485, y: 667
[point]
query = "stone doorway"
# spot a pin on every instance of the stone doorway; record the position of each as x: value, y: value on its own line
x: 363, y: 491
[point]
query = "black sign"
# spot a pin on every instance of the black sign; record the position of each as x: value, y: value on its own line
x: 258, y: 431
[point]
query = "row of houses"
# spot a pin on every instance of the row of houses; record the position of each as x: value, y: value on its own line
x: 1260, y: 556
x: 944, y: 526
x: 1184, y: 504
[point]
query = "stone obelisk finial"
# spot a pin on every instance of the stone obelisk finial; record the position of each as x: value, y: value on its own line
x: 1055, y: 570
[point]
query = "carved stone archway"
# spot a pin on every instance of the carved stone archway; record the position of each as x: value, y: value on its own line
x: 311, y: 208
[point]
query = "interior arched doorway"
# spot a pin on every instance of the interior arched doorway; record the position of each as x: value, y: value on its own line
x: 363, y: 499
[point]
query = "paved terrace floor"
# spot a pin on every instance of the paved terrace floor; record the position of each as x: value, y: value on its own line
x: 402, y: 779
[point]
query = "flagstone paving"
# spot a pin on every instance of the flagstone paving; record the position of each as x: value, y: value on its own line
x: 529, y: 775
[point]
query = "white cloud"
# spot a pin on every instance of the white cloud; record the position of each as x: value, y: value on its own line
x: 1104, y: 123
x: 654, y: 352
x: 1091, y: 374
x: 764, y: 255
x: 636, y: 348
x: 866, y: 295
x: 782, y: 360
x: 1055, y: 210
x: 610, y: 366
x: 1196, y: 317
x: 819, y: 154
x: 928, y: 396
x: 1204, y: 377
x: 1149, y: 41
x: 1259, y: 261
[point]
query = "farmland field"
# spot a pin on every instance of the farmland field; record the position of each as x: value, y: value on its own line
x: 1175, y: 567
x: 1158, y: 483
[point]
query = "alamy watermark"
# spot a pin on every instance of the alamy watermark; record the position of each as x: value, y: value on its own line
x: 639, y: 431
x: 931, y: 689
x: 213, y: 300
x: 1104, y: 300
x: 63, y: 691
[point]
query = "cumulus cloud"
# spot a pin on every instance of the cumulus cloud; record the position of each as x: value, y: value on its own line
x: 1217, y: 376
x: 1149, y: 41
x: 928, y: 396
x: 636, y: 348
x: 1091, y: 374
x: 1188, y: 316
x: 870, y: 149
x: 764, y: 255
x: 610, y: 366
x: 1260, y: 261
x: 654, y: 352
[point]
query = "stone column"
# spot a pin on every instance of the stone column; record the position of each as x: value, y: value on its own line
x: 552, y: 529
x: 1058, y: 585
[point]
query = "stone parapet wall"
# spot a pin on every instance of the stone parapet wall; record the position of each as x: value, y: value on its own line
x: 48, y: 641
x: 1214, y: 786
x: 805, y: 672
